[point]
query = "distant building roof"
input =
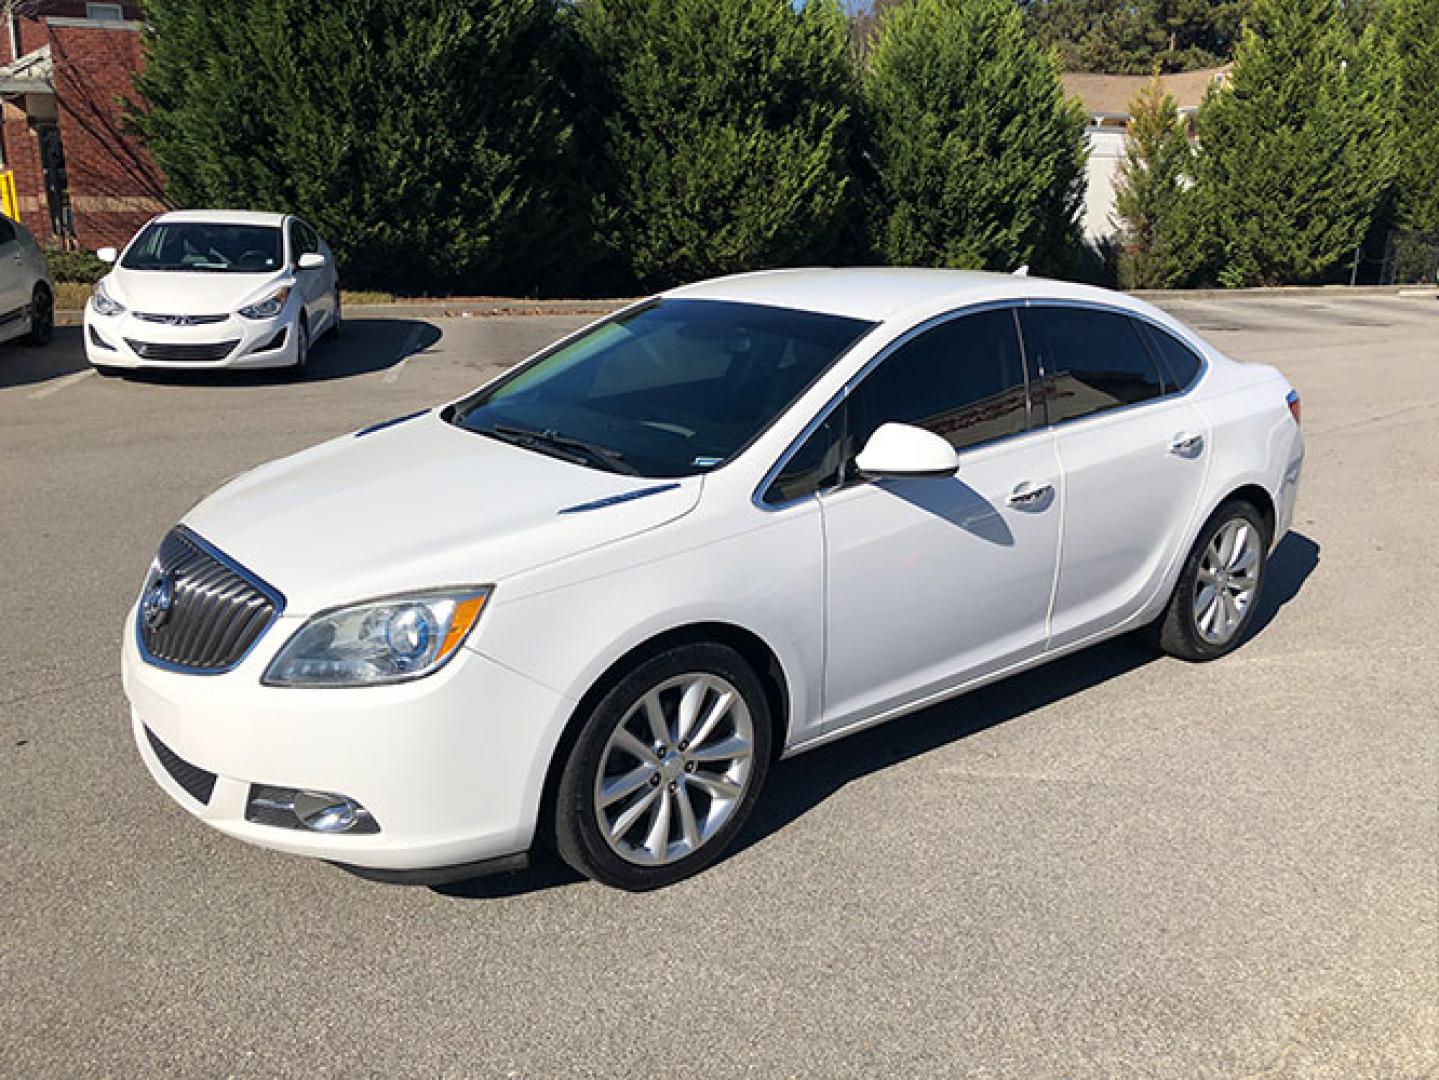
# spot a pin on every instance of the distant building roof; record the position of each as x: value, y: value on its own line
x: 1110, y: 95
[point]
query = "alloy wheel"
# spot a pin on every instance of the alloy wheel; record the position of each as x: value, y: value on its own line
x: 674, y: 769
x: 1227, y: 580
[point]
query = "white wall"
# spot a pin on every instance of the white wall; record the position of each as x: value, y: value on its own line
x: 1106, y: 148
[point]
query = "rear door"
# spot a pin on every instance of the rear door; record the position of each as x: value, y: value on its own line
x: 1134, y: 452
x: 13, y: 297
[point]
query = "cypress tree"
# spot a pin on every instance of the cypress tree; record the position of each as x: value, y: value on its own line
x: 1414, y: 30
x: 1296, y: 153
x: 978, y: 158
x: 1148, y: 187
x: 720, y: 133
x: 425, y: 139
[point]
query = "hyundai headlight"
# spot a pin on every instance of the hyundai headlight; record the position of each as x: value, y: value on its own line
x: 269, y: 307
x: 102, y: 303
x: 391, y: 640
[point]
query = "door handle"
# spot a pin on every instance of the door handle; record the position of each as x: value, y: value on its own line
x: 1186, y: 444
x: 1030, y: 496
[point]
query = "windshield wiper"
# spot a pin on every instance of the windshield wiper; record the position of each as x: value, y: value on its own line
x: 575, y: 450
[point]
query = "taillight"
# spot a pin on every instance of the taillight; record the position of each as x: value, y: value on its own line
x: 1294, y: 407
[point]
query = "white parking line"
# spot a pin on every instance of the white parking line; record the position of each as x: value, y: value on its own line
x: 60, y: 384
x: 393, y: 374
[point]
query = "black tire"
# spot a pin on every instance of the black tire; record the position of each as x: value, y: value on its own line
x: 577, y: 830
x: 42, y: 316
x: 1178, y: 630
x: 302, y: 350
x: 106, y: 372
x: 337, y: 324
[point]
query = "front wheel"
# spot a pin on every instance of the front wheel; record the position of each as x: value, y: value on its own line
x: 1218, y: 588
x: 302, y: 349
x: 665, y: 770
x: 42, y: 316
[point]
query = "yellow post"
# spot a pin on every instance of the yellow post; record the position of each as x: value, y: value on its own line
x: 9, y: 201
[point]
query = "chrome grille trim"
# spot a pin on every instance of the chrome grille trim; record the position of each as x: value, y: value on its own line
x: 220, y: 610
x: 179, y: 320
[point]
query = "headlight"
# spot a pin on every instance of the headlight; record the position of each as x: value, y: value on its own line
x: 269, y: 307
x: 391, y: 640
x: 101, y: 302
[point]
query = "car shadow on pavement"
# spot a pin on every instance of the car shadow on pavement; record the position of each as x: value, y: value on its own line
x: 366, y: 346
x: 797, y: 786
x: 23, y: 365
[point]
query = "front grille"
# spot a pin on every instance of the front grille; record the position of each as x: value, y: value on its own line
x: 200, y: 611
x: 180, y: 320
x: 210, y: 351
x: 195, y: 780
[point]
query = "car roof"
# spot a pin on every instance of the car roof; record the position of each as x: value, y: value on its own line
x: 226, y: 217
x: 877, y: 294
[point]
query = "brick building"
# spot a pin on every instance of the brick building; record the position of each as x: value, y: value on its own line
x: 65, y: 74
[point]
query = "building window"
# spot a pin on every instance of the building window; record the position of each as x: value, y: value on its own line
x: 105, y: 12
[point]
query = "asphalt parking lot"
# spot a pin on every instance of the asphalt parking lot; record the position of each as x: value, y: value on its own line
x: 1121, y: 867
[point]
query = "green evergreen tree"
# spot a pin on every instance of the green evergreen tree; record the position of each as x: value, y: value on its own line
x: 720, y: 132
x: 1296, y: 152
x: 1414, y: 31
x: 1132, y: 36
x: 424, y: 138
x: 1149, y: 185
x: 978, y: 158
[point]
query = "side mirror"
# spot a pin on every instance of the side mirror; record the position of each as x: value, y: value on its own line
x: 311, y: 260
x: 107, y: 254
x: 902, y: 450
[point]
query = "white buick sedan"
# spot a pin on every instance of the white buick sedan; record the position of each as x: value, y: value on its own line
x: 590, y: 604
x: 206, y: 289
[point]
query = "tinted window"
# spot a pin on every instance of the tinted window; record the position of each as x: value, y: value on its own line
x: 814, y: 466
x: 674, y: 388
x: 1182, y: 365
x: 964, y: 380
x: 1092, y: 360
x: 202, y: 246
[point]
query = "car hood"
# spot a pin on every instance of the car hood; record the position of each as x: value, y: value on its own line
x: 166, y: 292
x: 421, y: 504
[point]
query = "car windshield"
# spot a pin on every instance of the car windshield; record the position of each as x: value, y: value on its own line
x: 206, y: 247
x: 674, y: 388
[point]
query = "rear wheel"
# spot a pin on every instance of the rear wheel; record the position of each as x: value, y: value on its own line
x: 1218, y: 589
x: 665, y: 770
x: 42, y: 316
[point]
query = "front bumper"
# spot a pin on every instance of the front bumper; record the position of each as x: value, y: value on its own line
x: 253, y: 343
x: 452, y: 766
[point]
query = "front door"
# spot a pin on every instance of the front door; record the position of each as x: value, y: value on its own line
x: 933, y: 582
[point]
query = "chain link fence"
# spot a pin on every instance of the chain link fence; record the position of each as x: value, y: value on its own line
x: 1405, y: 258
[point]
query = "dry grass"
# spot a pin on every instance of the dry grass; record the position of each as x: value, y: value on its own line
x: 71, y: 295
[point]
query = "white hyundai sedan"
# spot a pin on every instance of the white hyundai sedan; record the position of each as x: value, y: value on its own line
x: 206, y: 289
x: 590, y: 604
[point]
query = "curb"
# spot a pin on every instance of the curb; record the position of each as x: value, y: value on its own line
x: 501, y: 308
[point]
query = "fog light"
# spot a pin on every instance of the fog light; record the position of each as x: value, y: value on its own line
x: 312, y: 811
x: 326, y: 813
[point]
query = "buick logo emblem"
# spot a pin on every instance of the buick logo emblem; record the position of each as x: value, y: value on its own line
x: 158, y: 599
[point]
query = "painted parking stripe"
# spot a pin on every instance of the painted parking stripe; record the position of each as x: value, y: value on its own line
x: 60, y: 384
x: 393, y: 375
